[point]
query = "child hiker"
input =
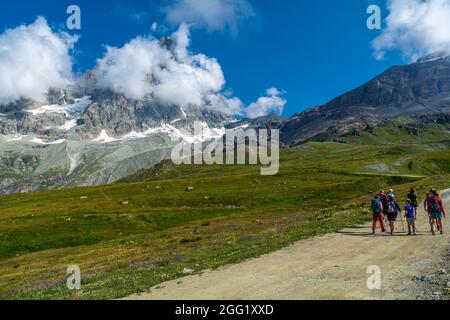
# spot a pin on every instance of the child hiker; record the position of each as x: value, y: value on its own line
x: 410, y: 215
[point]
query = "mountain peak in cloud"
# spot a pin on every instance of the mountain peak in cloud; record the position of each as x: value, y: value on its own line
x: 34, y: 60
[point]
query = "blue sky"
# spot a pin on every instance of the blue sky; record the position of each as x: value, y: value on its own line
x: 314, y: 50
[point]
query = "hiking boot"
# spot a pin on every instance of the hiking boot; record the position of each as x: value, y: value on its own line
x: 442, y: 231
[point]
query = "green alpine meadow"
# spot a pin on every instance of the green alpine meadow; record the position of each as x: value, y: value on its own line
x: 165, y: 222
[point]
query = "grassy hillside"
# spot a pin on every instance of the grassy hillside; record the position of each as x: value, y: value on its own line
x: 129, y: 236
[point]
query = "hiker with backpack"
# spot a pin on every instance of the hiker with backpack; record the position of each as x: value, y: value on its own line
x: 411, y: 216
x: 435, y: 208
x: 377, y: 213
x: 392, y: 211
x: 384, y: 201
x: 412, y: 197
x: 391, y: 194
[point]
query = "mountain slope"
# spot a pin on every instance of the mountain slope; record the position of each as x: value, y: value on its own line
x: 419, y: 88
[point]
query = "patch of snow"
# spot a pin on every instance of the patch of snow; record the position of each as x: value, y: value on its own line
x: 67, y: 109
x: 432, y: 59
x: 14, y: 138
x: 175, y: 121
x: 40, y: 141
x: 245, y: 126
x: 73, y: 163
x: 68, y: 125
x: 133, y: 135
x: 104, y: 138
x: 184, y: 113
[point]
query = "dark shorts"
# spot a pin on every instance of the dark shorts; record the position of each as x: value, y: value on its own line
x: 437, y: 216
x: 392, y: 216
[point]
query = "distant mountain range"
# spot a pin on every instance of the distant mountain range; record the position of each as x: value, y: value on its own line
x: 83, y: 136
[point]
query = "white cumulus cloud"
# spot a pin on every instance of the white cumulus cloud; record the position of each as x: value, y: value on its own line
x: 272, y: 103
x: 163, y: 70
x: 33, y: 59
x: 416, y: 28
x: 214, y: 15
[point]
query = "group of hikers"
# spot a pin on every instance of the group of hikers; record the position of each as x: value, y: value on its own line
x: 385, y: 209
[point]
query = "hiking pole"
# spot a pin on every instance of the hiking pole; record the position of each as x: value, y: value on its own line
x: 401, y: 219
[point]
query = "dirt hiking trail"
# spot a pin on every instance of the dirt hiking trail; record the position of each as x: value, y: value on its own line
x: 333, y: 266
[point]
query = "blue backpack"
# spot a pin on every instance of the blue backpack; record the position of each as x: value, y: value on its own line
x: 376, y: 205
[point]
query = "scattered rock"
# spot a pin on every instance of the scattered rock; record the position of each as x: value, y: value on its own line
x: 425, y: 278
x: 158, y: 187
x: 124, y: 203
x: 190, y: 189
x: 83, y: 198
x: 442, y: 271
x: 246, y: 238
x: 188, y: 271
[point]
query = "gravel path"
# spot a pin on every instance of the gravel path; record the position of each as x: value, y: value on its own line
x: 329, y: 267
